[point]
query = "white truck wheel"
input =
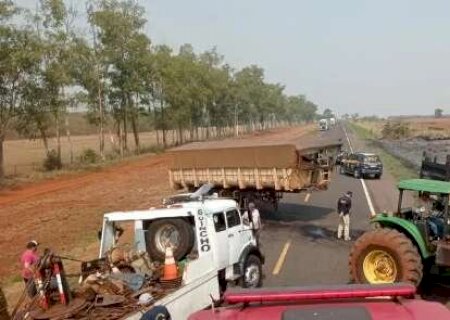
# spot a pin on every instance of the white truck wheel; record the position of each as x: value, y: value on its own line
x: 177, y: 233
x: 252, y: 275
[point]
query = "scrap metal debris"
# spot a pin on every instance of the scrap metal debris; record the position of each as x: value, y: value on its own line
x: 109, y: 288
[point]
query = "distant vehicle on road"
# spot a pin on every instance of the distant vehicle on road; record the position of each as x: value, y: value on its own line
x: 332, y: 122
x: 323, y: 125
x: 361, y: 165
x: 349, y: 302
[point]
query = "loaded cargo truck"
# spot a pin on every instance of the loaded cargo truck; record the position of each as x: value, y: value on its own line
x: 254, y: 172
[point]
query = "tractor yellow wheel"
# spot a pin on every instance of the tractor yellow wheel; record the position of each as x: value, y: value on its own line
x: 385, y: 255
x: 380, y: 267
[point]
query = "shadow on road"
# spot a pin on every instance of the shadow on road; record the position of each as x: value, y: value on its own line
x: 289, y: 212
x: 314, y: 233
x: 311, y: 231
x: 436, y: 289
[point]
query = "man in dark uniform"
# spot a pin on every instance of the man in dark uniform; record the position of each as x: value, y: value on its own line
x: 344, y: 206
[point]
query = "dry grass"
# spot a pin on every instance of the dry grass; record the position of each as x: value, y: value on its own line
x: 25, y: 156
x: 420, y: 127
x: 429, y: 127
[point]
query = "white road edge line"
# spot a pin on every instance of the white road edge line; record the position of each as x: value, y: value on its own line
x: 365, y: 189
x: 308, y: 195
x: 280, y: 261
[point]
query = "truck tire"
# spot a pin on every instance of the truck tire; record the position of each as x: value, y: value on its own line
x: 385, y: 256
x: 252, y: 275
x: 178, y: 232
x: 156, y: 313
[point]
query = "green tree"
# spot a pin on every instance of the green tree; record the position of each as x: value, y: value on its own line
x: 56, y: 36
x: 158, y: 83
x: 126, y: 50
x: 438, y: 112
x: 18, y: 60
x: 250, y: 84
x: 328, y: 113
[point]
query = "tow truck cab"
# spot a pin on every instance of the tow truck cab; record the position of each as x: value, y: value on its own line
x: 220, y: 240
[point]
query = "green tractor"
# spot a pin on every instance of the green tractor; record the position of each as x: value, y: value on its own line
x: 402, y: 247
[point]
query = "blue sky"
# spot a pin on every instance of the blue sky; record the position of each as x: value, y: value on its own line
x: 371, y: 57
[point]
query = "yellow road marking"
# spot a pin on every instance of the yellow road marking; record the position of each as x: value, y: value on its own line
x: 308, y: 195
x: 281, y: 258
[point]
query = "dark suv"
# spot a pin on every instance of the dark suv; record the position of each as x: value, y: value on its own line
x: 362, y: 165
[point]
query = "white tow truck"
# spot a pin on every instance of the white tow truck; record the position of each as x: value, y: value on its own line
x: 209, y: 228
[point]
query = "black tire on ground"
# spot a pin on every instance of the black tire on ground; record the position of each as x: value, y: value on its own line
x: 407, y: 259
x: 378, y: 176
x: 356, y: 174
x: 252, y: 277
x: 183, y: 243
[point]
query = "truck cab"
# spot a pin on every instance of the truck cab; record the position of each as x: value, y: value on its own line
x: 207, y: 231
x: 323, y: 124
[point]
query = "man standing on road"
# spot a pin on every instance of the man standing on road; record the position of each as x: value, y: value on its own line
x: 29, y: 260
x: 253, y: 218
x: 344, y: 206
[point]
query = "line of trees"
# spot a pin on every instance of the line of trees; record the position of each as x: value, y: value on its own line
x: 115, y: 73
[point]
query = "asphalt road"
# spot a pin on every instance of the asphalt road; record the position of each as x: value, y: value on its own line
x: 299, y: 240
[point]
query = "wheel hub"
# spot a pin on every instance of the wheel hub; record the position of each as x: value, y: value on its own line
x: 252, y: 276
x: 167, y: 235
x: 380, y: 267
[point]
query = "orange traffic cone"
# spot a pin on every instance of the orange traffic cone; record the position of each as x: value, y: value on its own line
x: 170, y: 267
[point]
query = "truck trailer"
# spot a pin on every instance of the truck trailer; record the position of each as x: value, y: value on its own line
x: 261, y: 171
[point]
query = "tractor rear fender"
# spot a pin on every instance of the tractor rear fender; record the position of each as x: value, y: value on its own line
x: 407, y: 228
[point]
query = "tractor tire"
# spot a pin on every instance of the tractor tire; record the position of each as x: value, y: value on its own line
x: 385, y: 256
x: 177, y: 232
x: 252, y: 277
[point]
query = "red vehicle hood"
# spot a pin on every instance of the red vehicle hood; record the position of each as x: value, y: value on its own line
x: 376, y: 309
x: 336, y: 302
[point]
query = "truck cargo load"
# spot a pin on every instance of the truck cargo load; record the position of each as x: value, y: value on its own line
x: 264, y: 169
